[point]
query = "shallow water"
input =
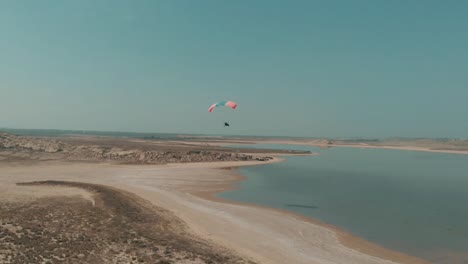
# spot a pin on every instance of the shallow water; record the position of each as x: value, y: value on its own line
x: 414, y: 202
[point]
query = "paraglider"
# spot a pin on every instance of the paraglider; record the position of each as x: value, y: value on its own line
x: 230, y: 104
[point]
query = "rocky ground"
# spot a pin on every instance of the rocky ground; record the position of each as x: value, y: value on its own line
x: 118, y: 227
x: 118, y: 150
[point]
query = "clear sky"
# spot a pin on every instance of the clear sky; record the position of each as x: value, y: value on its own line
x: 296, y: 68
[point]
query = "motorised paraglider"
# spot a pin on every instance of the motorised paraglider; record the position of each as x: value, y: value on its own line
x: 230, y: 104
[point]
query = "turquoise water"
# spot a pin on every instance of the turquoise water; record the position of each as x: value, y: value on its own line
x: 413, y: 202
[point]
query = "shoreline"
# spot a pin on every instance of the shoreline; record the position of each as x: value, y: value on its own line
x: 188, y: 190
x: 346, y: 238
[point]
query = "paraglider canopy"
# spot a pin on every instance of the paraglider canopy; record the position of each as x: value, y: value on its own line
x: 230, y: 104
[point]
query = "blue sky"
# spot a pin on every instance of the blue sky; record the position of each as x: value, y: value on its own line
x: 296, y: 68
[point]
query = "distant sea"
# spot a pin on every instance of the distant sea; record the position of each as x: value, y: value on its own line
x: 56, y: 133
x: 412, y: 202
x: 156, y: 136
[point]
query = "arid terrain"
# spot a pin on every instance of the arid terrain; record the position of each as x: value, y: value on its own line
x: 90, y: 199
